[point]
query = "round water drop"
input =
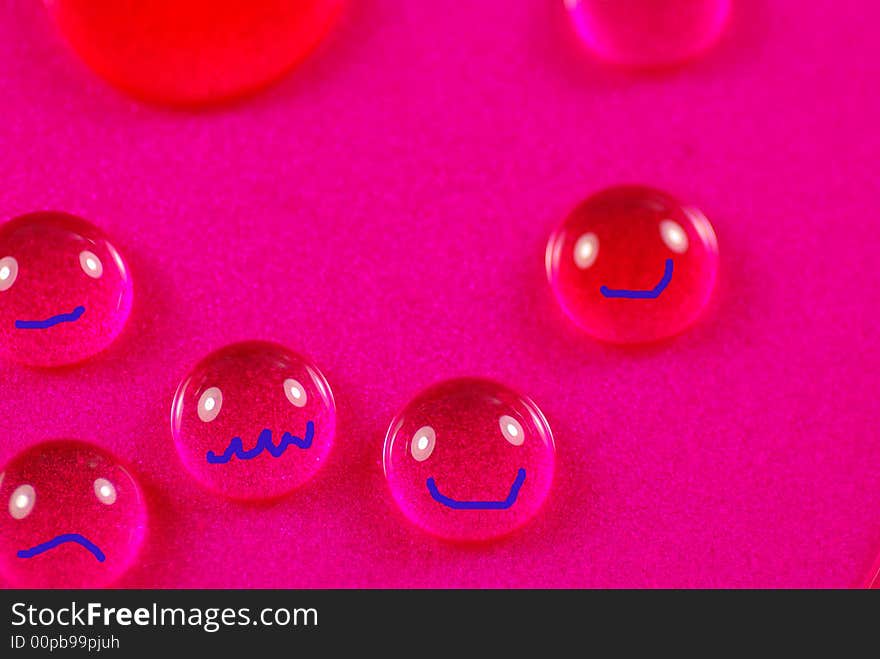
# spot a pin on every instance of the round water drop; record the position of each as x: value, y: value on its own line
x: 65, y: 290
x: 469, y: 459
x: 71, y: 516
x: 253, y: 420
x: 193, y: 51
x: 651, y: 269
x: 648, y: 33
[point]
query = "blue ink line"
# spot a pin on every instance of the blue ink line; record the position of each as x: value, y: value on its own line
x: 49, y: 322
x: 480, y: 505
x: 642, y: 295
x: 60, y: 540
x: 264, y: 443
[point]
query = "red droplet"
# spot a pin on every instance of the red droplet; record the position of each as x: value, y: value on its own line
x: 632, y: 264
x: 193, y: 51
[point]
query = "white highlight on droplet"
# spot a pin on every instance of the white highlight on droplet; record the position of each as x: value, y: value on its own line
x: 91, y: 264
x: 295, y: 392
x: 586, y: 249
x: 423, y: 442
x: 674, y: 236
x: 512, y: 430
x: 8, y: 272
x: 210, y: 403
x: 105, y: 491
x: 22, y: 501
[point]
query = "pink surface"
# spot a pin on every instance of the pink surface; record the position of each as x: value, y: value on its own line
x: 385, y: 210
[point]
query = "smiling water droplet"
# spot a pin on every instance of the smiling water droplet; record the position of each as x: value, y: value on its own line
x: 469, y: 459
x: 65, y: 291
x: 632, y: 264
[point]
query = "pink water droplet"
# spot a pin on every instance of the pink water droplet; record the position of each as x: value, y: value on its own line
x: 469, y: 459
x: 632, y: 264
x: 253, y: 420
x: 648, y: 33
x: 193, y: 51
x: 65, y: 290
x: 71, y: 516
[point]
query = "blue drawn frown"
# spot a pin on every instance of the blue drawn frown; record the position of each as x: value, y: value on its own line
x: 479, y: 505
x: 641, y: 295
x: 60, y: 540
x: 264, y: 443
x: 71, y: 317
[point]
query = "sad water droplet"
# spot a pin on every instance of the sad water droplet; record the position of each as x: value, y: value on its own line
x: 648, y: 33
x: 652, y: 267
x: 71, y: 516
x: 469, y: 459
x: 193, y: 51
x: 253, y: 420
x: 65, y: 291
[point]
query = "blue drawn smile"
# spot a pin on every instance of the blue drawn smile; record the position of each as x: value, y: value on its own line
x: 480, y: 505
x: 642, y: 295
x: 264, y: 443
x: 50, y: 322
x: 60, y: 540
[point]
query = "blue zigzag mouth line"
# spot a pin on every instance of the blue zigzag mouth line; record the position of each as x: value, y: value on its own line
x: 264, y: 443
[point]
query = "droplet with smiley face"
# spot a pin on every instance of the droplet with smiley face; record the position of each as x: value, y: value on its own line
x: 71, y: 516
x: 469, y: 459
x: 632, y: 264
x: 253, y: 420
x: 65, y: 290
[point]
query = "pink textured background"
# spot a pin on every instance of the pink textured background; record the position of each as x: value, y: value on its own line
x: 385, y: 209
